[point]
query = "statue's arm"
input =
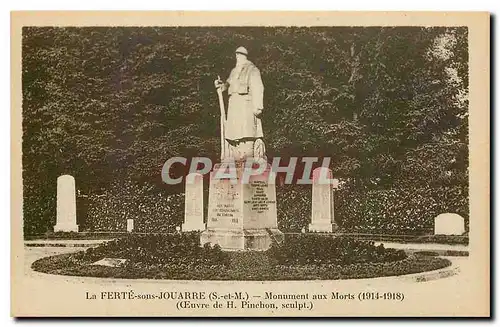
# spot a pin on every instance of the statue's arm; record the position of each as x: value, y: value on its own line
x: 257, y: 90
x: 221, y: 84
x: 226, y: 84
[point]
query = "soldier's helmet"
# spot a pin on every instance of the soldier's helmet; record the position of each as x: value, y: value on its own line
x: 242, y: 50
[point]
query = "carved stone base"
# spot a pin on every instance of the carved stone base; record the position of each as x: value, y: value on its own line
x: 66, y: 228
x: 190, y: 227
x: 242, y: 213
x: 322, y: 228
x: 237, y: 239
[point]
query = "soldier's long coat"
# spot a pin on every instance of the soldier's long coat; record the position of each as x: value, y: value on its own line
x: 246, y: 92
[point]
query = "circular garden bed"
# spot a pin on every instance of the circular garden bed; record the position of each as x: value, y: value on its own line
x: 180, y: 256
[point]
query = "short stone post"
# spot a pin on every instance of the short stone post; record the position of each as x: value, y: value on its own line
x: 449, y: 224
x: 193, y: 208
x: 66, y: 205
x: 323, y: 215
x: 130, y: 225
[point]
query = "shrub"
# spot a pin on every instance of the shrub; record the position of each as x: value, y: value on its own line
x: 293, y: 206
x: 153, y: 211
x: 394, y: 211
x: 398, y: 211
x: 456, y: 253
x: 321, y: 249
x: 427, y: 253
x: 444, y: 239
x: 158, y: 249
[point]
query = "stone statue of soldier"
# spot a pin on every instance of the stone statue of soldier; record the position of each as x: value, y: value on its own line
x: 243, y: 127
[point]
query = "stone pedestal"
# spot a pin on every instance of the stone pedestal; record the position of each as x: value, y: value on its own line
x: 193, y: 199
x: 130, y: 225
x: 242, y: 214
x: 322, y: 202
x: 449, y: 224
x: 66, y: 205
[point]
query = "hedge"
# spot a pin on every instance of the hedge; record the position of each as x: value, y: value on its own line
x: 159, y: 213
x: 399, y: 211
x: 395, y: 211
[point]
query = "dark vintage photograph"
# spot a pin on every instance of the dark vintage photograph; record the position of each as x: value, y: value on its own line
x: 105, y: 108
x: 153, y: 155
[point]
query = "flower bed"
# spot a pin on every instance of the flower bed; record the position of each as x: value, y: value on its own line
x: 181, y: 257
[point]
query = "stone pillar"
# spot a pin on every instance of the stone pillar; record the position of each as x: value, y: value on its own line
x: 242, y: 212
x: 323, y: 215
x: 449, y: 224
x: 130, y: 225
x: 193, y: 199
x: 66, y: 205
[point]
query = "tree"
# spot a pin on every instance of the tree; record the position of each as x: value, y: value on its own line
x: 112, y: 103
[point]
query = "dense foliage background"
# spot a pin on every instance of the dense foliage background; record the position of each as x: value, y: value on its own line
x: 109, y: 105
